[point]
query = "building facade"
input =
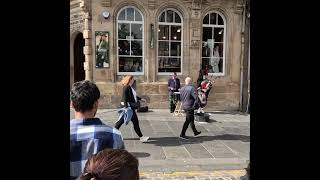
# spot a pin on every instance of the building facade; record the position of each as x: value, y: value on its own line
x: 151, y: 39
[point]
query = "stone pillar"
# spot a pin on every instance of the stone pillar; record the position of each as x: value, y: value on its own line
x: 195, y: 39
x: 87, y: 34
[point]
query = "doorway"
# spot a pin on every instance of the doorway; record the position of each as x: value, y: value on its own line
x: 79, y: 58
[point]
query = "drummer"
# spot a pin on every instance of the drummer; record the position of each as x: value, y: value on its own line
x: 173, y: 86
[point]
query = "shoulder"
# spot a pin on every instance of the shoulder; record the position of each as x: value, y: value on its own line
x: 108, y: 129
x: 126, y: 87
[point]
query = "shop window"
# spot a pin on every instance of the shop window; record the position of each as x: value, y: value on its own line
x: 213, y: 43
x: 130, y: 45
x: 169, y: 54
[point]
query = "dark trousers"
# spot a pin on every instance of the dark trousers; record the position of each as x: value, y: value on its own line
x: 189, y: 120
x: 173, y: 100
x: 135, y: 122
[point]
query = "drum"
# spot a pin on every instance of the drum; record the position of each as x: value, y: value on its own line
x: 176, y: 97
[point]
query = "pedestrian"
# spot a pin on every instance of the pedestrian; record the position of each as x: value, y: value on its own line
x: 130, y: 98
x: 188, y: 98
x: 173, y: 86
x: 111, y: 164
x: 88, y: 134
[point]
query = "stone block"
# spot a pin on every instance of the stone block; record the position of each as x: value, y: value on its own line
x: 151, y: 89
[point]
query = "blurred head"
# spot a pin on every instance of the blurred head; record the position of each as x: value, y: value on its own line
x: 127, y: 80
x: 84, y: 96
x: 111, y: 164
x: 188, y: 80
x: 174, y: 75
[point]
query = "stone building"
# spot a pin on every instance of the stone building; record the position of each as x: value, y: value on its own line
x: 151, y: 39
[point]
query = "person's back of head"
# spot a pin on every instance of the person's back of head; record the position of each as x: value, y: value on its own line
x: 111, y: 164
x: 84, y: 95
x: 188, y: 80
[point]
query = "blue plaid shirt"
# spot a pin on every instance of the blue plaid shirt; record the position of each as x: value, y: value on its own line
x: 87, y: 137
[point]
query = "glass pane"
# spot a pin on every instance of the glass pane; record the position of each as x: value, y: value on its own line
x: 137, y: 16
x: 207, y: 33
x: 136, y: 48
x: 213, y: 19
x: 177, y: 18
x: 130, y: 14
x: 206, y: 51
x: 206, y: 19
x: 169, y: 16
x: 218, y: 34
x: 123, y: 47
x: 175, y: 33
x: 220, y: 20
x: 163, y: 48
x: 130, y: 64
x: 162, y: 17
x: 136, y: 31
x: 205, y: 63
x: 123, y: 31
x: 163, y: 32
x: 175, y: 49
x: 169, y: 65
x: 215, y: 61
x: 218, y: 49
x: 122, y: 15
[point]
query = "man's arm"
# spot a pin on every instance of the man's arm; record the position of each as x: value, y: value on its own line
x: 125, y: 95
x: 178, y: 84
x: 169, y: 87
x: 194, y: 93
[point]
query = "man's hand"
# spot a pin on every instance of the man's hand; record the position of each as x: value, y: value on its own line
x: 144, y: 100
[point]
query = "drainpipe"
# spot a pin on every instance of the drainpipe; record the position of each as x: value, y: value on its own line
x: 242, y: 54
x: 248, y: 74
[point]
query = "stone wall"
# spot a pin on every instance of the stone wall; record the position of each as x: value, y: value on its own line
x: 226, y: 92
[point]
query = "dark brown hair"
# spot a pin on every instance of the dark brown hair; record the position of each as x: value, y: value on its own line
x: 111, y: 164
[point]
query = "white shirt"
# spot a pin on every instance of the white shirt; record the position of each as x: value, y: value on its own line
x: 134, y: 94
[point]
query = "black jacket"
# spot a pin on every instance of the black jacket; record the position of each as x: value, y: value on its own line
x: 127, y: 96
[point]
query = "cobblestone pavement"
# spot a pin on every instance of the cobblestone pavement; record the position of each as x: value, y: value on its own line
x: 221, y: 151
x: 196, y: 175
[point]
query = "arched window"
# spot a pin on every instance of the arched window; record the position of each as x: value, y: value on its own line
x: 130, y: 41
x: 213, y: 43
x: 170, y: 37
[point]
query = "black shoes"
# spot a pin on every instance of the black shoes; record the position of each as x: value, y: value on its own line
x: 183, y: 137
x: 197, y: 133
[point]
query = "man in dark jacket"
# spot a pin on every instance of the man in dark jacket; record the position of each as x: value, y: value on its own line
x: 188, y: 98
x: 173, y: 86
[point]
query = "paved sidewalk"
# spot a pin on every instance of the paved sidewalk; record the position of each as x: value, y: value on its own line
x: 224, y: 144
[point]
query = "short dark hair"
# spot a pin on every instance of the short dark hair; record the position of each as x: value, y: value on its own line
x: 83, y: 95
x: 174, y: 73
x: 111, y: 164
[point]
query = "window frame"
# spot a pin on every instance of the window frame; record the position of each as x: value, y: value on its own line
x: 213, y: 26
x: 142, y: 40
x: 181, y: 48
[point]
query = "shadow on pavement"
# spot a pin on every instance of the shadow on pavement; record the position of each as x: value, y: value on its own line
x: 225, y: 112
x: 176, y: 141
x: 140, y: 154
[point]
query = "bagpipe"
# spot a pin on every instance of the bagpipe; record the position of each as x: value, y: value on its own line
x: 204, y: 90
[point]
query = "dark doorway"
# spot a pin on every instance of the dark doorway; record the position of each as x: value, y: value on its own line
x: 79, y: 58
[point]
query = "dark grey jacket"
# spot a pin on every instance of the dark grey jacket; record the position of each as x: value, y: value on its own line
x: 188, y: 96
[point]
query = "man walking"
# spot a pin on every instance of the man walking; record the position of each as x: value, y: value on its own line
x: 188, y: 98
